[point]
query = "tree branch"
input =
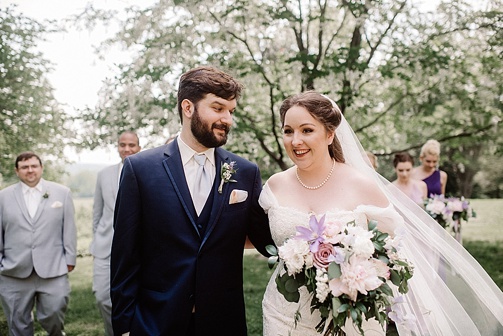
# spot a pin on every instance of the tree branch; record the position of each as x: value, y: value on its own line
x: 379, y: 41
x: 465, y: 134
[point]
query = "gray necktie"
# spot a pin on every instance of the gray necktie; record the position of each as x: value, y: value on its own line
x: 202, y: 184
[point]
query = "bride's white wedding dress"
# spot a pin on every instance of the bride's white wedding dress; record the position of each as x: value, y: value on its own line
x: 279, y: 313
x: 442, y: 300
x: 450, y: 294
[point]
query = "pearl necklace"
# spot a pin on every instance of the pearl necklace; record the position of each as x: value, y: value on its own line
x: 319, y: 185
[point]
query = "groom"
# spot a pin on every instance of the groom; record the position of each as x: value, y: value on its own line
x: 183, y: 213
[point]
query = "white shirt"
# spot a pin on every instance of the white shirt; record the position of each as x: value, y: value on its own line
x: 190, y: 165
x: 37, y: 197
x: 121, y: 165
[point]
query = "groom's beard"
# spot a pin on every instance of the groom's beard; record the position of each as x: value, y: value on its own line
x: 205, y: 136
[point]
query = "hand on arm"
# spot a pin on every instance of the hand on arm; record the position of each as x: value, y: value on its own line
x: 248, y: 244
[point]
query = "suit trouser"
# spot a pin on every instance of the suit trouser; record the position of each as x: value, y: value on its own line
x: 20, y: 296
x: 101, y: 290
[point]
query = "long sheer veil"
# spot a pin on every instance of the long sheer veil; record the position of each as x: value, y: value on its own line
x: 450, y: 293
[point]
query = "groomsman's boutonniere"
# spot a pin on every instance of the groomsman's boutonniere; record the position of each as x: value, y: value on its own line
x: 226, y: 174
x: 46, y: 195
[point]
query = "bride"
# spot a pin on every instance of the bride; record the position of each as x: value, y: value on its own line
x: 449, y: 294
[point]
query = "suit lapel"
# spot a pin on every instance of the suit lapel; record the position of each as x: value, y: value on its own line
x: 174, y: 168
x: 219, y: 198
x: 18, y: 194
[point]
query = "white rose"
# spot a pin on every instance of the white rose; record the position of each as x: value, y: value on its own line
x: 436, y: 207
x: 361, y: 241
x: 293, y: 252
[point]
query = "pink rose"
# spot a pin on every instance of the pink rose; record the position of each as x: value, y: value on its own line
x: 324, y: 256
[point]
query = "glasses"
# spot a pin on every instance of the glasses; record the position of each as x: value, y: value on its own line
x: 27, y: 167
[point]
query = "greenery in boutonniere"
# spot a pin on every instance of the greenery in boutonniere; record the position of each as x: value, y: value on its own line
x: 226, y: 174
x: 46, y: 195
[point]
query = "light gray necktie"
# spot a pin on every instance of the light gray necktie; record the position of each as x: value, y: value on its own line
x: 202, y: 184
x: 32, y: 202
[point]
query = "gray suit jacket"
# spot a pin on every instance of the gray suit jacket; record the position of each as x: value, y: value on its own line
x: 105, y: 194
x: 46, y: 243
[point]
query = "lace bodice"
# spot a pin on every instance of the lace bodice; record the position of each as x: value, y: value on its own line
x: 284, y: 220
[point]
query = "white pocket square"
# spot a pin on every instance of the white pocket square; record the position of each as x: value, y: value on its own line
x: 238, y: 196
x: 56, y: 204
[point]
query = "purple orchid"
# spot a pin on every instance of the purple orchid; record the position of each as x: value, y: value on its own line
x: 313, y: 236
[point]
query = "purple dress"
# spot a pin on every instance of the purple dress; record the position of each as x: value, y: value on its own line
x: 433, y: 183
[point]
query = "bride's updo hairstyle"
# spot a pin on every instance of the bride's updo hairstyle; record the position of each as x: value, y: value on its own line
x: 322, y: 109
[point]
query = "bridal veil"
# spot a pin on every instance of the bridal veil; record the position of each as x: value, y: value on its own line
x: 450, y: 293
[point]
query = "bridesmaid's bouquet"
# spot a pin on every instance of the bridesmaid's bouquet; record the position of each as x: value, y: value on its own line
x: 348, y: 269
x: 448, y: 211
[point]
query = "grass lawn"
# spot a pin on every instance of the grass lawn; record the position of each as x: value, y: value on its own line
x: 482, y: 237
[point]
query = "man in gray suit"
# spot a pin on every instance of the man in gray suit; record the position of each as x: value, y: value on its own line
x: 38, y: 245
x: 107, y: 185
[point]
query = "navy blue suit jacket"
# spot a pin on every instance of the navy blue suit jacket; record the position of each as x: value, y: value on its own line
x: 161, y: 266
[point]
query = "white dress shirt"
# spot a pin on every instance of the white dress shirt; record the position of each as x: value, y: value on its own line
x: 121, y: 165
x: 32, y: 197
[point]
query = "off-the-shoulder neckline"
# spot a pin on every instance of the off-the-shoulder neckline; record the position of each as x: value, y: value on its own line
x: 358, y: 208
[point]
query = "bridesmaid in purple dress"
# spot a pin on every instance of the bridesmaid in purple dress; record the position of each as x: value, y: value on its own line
x: 434, y: 178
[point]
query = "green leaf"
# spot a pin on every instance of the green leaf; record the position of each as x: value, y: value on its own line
x: 382, y: 237
x: 404, y: 288
x: 384, y: 259
x: 292, y: 285
x: 336, y: 303
x: 386, y: 289
x: 372, y: 224
x: 378, y: 246
x: 395, y: 278
x: 292, y: 297
x: 361, y: 307
x: 271, y: 261
x: 354, y: 314
x: 272, y: 250
x: 344, y: 307
x: 334, y: 271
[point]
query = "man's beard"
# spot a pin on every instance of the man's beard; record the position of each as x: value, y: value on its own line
x: 206, y: 137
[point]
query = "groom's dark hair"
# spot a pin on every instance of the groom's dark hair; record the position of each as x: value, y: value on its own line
x: 196, y: 83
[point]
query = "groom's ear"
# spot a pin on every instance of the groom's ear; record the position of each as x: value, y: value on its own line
x: 187, y: 108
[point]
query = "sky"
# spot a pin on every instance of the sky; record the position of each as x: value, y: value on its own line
x: 78, y: 73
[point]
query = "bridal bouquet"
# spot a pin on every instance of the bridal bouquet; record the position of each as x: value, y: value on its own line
x: 448, y: 211
x: 348, y: 269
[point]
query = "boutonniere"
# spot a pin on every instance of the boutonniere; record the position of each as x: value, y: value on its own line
x: 46, y: 195
x: 226, y: 174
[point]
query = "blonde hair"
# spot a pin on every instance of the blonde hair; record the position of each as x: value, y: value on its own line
x: 373, y: 159
x: 431, y: 147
